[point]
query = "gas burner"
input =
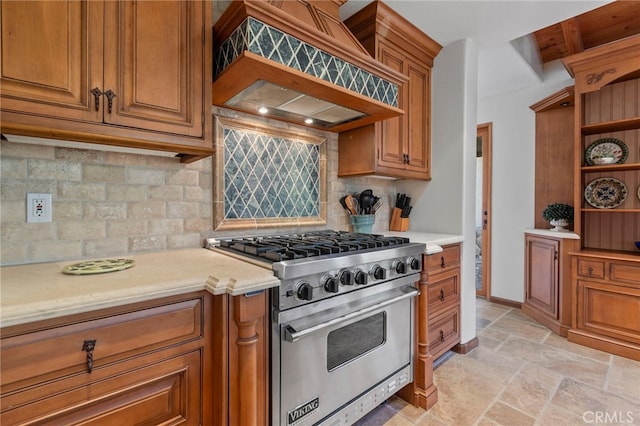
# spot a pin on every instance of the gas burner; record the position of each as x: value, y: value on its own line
x: 277, y: 248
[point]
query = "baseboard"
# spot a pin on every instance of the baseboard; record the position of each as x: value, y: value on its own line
x: 442, y: 358
x: 506, y: 302
x: 604, y: 343
x: 465, y: 348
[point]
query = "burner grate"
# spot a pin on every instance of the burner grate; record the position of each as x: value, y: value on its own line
x: 295, y: 246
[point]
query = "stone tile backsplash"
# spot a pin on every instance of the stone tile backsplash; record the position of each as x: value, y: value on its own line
x: 108, y: 204
x: 104, y: 203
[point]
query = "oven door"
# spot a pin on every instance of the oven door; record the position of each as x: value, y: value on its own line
x: 332, y: 356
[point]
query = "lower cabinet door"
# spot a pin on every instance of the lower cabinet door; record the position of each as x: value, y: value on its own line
x: 166, y: 392
x: 609, y: 310
x: 541, y: 275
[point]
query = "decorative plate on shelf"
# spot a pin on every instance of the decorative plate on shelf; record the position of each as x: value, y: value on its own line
x: 98, y: 266
x: 605, y: 193
x: 606, y: 151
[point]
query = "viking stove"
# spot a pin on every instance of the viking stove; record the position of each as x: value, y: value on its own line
x: 342, y: 321
x: 319, y: 265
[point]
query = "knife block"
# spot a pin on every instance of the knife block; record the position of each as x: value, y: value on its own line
x: 398, y: 223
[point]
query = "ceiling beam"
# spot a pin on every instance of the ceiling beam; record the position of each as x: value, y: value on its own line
x: 572, y: 36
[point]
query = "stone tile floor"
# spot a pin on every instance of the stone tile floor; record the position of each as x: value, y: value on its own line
x: 523, y: 374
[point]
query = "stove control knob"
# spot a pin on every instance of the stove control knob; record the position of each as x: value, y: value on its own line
x: 360, y: 277
x: 330, y: 284
x: 400, y: 267
x: 346, y: 277
x: 305, y: 291
x: 379, y: 273
x: 414, y: 264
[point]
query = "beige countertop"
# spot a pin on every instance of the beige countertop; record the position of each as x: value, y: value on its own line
x: 556, y: 234
x: 434, y: 241
x: 41, y: 291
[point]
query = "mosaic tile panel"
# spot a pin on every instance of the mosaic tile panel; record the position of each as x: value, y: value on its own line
x: 267, y: 176
x: 271, y: 43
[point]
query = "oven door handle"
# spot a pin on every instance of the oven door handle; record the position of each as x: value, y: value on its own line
x: 292, y: 335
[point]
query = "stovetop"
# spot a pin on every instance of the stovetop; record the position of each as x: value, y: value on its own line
x: 320, y: 265
x: 277, y: 248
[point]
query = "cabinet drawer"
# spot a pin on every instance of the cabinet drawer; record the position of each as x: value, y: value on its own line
x: 443, y: 291
x: 444, y: 331
x: 55, y: 352
x: 590, y: 268
x: 450, y: 256
x: 167, y: 392
x: 625, y: 273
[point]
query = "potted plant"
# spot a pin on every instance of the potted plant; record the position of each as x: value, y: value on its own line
x: 559, y: 215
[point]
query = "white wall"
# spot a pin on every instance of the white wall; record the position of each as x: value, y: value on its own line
x: 446, y: 204
x: 513, y: 177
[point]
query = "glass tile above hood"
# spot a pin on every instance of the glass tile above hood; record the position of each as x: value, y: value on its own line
x: 270, y: 43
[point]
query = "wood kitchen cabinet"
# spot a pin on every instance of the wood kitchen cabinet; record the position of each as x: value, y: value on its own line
x: 607, y: 309
x: 398, y: 147
x: 128, y: 73
x: 241, y: 359
x: 442, y: 273
x: 437, y: 321
x: 606, y: 267
x: 548, y: 280
x: 149, y: 363
x: 554, y: 151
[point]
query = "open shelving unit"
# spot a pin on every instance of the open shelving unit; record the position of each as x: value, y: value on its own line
x: 607, y: 99
x: 606, y: 267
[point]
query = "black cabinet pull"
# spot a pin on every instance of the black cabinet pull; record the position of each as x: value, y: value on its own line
x: 441, y: 336
x: 590, y: 270
x: 442, y: 265
x: 88, y: 346
x: 96, y: 94
x: 110, y: 95
x: 441, y: 295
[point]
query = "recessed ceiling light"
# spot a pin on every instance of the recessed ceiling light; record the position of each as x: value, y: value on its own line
x: 308, y: 120
x: 263, y: 110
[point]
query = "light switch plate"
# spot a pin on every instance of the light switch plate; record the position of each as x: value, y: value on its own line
x: 39, y: 208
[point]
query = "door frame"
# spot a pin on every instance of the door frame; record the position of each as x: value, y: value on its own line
x: 484, y: 130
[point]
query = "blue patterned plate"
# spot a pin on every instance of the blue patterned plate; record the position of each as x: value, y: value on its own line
x: 605, y: 193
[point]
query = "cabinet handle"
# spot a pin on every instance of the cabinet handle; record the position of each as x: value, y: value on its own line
x: 88, y: 346
x: 441, y: 336
x: 590, y: 270
x: 555, y: 255
x: 96, y: 94
x: 442, y: 265
x: 110, y: 95
x: 407, y: 155
x: 441, y: 295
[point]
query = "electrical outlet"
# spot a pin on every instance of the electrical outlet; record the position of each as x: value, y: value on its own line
x: 39, y: 208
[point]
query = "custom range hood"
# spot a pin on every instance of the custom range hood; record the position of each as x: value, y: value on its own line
x: 294, y: 60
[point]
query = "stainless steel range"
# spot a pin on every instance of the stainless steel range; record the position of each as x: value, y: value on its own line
x: 342, y: 321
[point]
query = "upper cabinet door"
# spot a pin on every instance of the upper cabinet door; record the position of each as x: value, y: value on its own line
x: 418, y: 116
x: 391, y: 137
x: 154, y: 60
x: 52, y: 58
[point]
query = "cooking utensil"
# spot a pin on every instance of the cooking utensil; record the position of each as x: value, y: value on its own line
x: 376, y: 205
x: 366, y: 202
x: 352, y: 204
x: 344, y: 204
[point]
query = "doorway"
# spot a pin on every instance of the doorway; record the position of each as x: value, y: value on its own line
x: 483, y: 211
